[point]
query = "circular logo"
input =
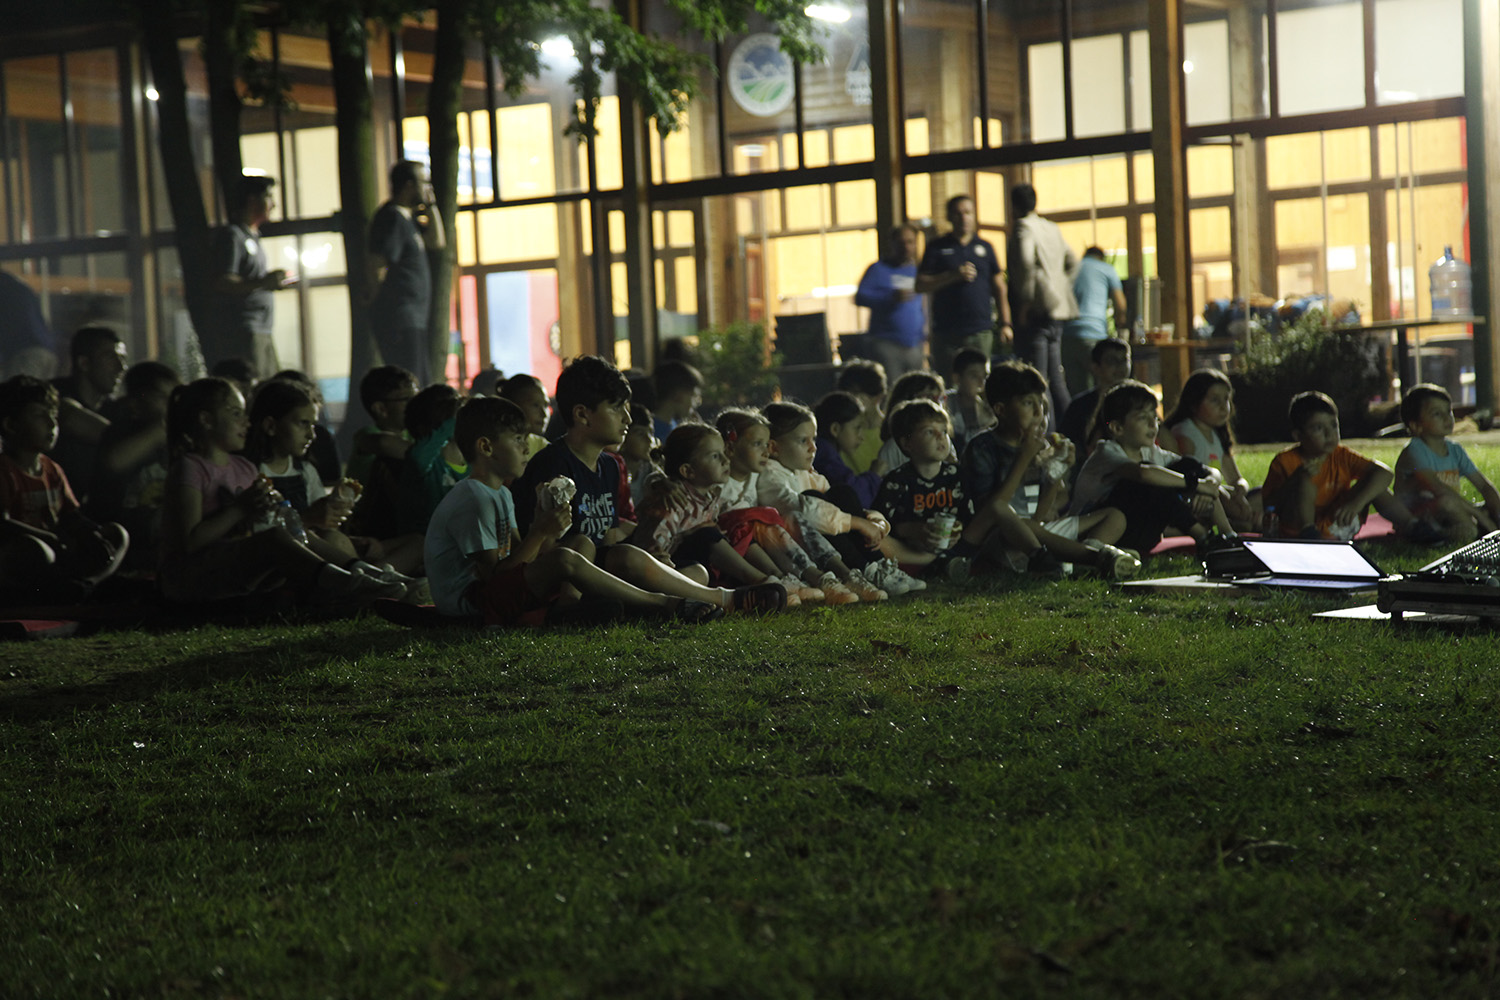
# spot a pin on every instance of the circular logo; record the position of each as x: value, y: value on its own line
x: 761, y: 76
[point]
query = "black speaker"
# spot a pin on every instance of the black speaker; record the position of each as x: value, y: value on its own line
x: 803, y: 339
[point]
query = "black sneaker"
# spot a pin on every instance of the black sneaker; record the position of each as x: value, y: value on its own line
x: 698, y: 612
x: 1216, y: 543
x: 759, y: 599
x: 1420, y: 532
x: 1044, y: 565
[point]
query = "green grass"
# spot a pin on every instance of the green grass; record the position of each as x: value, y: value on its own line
x: 1049, y: 789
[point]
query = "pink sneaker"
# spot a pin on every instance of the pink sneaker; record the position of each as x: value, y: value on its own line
x: 808, y: 594
x: 835, y: 592
x: 865, y: 590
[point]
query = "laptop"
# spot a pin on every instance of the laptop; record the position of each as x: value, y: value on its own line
x: 1301, y: 564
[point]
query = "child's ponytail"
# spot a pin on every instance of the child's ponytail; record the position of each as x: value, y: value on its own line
x: 203, y: 395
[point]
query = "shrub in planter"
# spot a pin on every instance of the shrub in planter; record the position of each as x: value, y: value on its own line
x: 737, y: 365
x: 1344, y: 364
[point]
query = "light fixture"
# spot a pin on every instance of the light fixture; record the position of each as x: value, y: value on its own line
x: 558, y: 47
x: 1187, y: 65
x: 832, y: 13
x: 151, y: 93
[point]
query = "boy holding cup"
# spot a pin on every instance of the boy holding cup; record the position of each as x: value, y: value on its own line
x: 924, y: 498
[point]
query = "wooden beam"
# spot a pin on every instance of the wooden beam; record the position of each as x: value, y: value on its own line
x: 886, y: 115
x: 1482, y: 95
x: 1169, y: 155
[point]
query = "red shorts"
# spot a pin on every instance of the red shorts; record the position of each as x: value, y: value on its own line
x: 505, y: 599
x: 739, y: 525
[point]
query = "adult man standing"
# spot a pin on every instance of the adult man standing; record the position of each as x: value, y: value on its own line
x: 888, y: 290
x: 962, y: 274
x: 401, y: 234
x: 1041, y: 292
x: 1096, y: 286
x: 244, y: 286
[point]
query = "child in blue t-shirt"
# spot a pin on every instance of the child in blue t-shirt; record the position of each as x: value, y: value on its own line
x: 479, y: 564
x: 1432, y: 469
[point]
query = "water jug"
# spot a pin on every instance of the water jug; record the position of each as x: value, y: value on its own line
x: 1451, y: 286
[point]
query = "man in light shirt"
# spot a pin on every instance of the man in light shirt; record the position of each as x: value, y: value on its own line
x: 1041, y: 292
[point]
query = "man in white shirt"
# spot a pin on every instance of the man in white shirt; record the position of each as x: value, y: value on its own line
x: 1041, y: 293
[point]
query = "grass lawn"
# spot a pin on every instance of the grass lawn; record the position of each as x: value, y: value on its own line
x: 990, y: 790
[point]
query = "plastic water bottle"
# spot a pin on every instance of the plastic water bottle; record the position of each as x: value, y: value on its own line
x: 1452, y: 287
x: 287, y: 516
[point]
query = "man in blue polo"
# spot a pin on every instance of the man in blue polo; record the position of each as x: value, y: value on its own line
x: 962, y: 274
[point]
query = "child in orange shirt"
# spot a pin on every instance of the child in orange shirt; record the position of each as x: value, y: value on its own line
x: 1321, y: 489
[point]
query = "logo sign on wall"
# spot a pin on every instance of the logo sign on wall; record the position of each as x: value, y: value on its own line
x: 761, y: 76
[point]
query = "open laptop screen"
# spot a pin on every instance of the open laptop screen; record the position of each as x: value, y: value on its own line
x: 1312, y: 560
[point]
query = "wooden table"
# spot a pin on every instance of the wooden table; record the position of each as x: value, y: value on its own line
x: 1405, y: 366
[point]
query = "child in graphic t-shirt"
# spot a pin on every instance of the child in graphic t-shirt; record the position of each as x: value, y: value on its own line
x: 924, y: 497
x: 593, y: 404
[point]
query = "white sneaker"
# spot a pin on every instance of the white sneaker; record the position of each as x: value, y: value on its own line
x: 1116, y: 563
x: 835, y: 592
x: 864, y: 589
x: 334, y: 581
x: 878, y: 574
x: 888, y: 575
x: 913, y: 583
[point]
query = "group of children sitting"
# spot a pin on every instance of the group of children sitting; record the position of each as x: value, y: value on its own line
x: 510, y: 507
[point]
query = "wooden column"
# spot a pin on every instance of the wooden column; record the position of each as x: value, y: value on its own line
x: 1169, y: 153
x: 1482, y: 97
x: 635, y: 178
x: 888, y: 117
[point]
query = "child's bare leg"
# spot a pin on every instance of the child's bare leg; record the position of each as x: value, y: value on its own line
x: 25, y: 557
x: 1394, y: 511
x: 697, y: 572
x: 781, y: 560
x: 994, y: 517
x: 637, y: 566
x: 1456, y: 519
x: 894, y: 548
x: 565, y: 569
x: 1220, y: 519
x: 735, y: 566
x: 332, y: 546
x: 761, y: 560
x: 1299, y: 497
x: 1063, y: 547
x: 1104, y: 525
x: 403, y: 552
x: 1240, y: 510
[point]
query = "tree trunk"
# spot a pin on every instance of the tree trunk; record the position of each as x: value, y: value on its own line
x: 224, y: 104
x: 353, y: 87
x: 444, y: 100
x: 179, y: 168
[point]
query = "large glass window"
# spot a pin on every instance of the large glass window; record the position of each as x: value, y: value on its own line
x: 1320, y: 56
x: 940, y: 71
x: 1419, y: 52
